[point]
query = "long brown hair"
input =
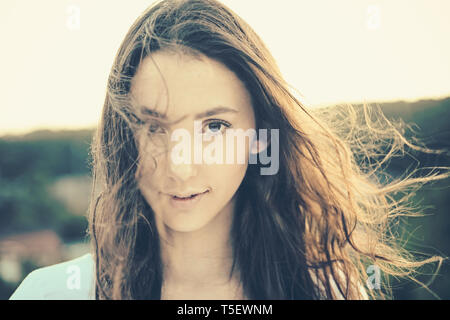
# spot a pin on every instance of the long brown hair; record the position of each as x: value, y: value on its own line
x: 308, y: 232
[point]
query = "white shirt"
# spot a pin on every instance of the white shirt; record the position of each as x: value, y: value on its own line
x: 70, y: 280
x: 74, y: 280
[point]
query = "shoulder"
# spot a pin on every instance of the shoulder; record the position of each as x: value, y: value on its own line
x: 70, y: 280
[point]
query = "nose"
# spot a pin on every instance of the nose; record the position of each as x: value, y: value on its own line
x: 180, y: 171
x: 179, y: 160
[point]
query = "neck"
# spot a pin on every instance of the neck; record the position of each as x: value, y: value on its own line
x: 202, y: 258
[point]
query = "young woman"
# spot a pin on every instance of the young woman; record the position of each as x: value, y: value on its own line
x: 167, y: 229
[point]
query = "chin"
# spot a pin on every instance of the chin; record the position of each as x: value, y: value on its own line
x: 186, y: 226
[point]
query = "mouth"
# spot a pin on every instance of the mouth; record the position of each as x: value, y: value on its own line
x: 187, y: 198
x: 186, y: 202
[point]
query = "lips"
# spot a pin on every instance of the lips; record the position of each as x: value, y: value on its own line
x: 185, y: 198
x: 188, y: 202
x: 189, y: 195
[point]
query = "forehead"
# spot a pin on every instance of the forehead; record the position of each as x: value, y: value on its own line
x: 182, y: 82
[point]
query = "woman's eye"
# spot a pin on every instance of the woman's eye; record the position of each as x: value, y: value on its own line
x: 214, y: 127
x: 155, y: 128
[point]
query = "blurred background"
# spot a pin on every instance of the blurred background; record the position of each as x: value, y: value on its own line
x: 56, y: 56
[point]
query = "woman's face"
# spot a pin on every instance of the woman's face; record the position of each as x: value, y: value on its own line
x: 189, y: 87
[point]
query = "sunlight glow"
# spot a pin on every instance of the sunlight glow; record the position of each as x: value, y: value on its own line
x: 56, y: 54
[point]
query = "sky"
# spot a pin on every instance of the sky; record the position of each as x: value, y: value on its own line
x: 56, y: 54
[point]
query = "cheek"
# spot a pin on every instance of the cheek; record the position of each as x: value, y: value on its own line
x: 147, y: 188
x: 144, y: 170
x: 224, y: 178
x: 147, y: 178
x: 235, y: 151
x: 148, y: 159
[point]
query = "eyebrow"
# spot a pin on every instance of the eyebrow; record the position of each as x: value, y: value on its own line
x: 208, y: 113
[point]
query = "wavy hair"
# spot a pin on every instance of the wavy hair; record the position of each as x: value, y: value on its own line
x: 308, y: 232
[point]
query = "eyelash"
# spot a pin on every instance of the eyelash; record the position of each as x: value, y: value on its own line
x: 208, y: 122
x: 153, y: 124
x: 222, y: 122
